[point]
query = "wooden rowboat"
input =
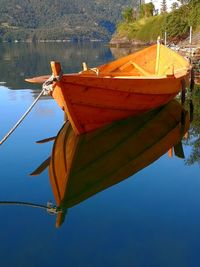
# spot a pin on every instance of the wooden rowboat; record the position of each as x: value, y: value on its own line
x: 82, y: 166
x: 125, y: 87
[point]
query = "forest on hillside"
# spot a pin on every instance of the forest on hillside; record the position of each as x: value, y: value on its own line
x: 60, y: 19
x: 148, y: 26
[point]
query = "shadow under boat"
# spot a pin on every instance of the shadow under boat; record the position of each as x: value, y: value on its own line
x: 81, y: 166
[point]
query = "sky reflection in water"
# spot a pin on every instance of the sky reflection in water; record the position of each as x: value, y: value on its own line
x: 150, y: 219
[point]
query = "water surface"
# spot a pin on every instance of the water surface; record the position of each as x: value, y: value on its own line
x: 151, y: 218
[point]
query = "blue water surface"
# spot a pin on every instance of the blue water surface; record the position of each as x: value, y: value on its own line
x: 150, y: 219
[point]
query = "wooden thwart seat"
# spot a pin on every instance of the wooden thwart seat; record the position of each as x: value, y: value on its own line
x: 141, y: 70
x: 119, y: 71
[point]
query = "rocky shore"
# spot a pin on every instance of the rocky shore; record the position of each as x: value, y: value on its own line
x: 125, y: 42
x: 193, y: 53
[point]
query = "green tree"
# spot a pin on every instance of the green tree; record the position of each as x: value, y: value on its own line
x: 146, y: 10
x: 176, y: 25
x: 174, y: 6
x: 194, y: 132
x: 127, y: 14
x: 194, y: 2
x: 163, y: 6
x: 135, y: 14
x: 184, y: 2
x: 194, y: 14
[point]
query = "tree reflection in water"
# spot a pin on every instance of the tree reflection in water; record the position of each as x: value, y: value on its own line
x: 194, y: 134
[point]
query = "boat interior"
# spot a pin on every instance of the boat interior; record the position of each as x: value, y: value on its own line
x: 154, y: 61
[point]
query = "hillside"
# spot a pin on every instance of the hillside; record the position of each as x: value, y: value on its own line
x: 146, y: 29
x: 60, y: 19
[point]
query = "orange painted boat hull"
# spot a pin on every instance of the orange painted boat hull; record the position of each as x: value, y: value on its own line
x: 90, y: 107
x: 126, y: 87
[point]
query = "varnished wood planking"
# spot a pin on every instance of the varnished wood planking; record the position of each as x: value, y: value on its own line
x: 127, y: 86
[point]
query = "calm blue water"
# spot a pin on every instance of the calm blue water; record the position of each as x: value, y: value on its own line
x: 150, y: 219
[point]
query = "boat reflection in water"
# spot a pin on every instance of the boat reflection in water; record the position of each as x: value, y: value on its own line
x: 81, y: 166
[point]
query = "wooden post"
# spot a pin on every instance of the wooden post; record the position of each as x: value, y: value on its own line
x: 178, y: 150
x: 165, y: 38
x: 85, y: 67
x: 191, y: 110
x: 192, y: 82
x: 190, y: 39
x: 56, y: 71
x: 183, y: 91
x: 56, y: 68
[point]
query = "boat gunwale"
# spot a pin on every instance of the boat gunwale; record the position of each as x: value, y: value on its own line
x: 182, y: 72
x: 87, y: 83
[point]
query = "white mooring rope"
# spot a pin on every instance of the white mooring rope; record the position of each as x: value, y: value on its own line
x: 47, y: 88
x: 22, y: 118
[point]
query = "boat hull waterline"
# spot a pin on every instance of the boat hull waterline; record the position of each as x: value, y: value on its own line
x: 125, y: 87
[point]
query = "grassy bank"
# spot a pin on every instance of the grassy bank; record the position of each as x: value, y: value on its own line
x: 175, y: 23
